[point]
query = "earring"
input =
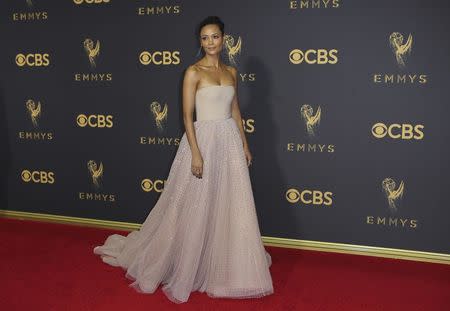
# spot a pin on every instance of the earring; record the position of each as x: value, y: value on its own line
x: 199, y: 49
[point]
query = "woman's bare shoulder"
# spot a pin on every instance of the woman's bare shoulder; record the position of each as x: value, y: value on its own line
x: 192, y: 72
x: 193, y: 67
x: 231, y: 69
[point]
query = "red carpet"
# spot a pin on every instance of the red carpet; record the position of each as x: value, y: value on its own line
x: 52, y: 267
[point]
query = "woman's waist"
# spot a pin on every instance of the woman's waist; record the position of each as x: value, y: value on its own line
x: 214, y: 119
x: 212, y: 114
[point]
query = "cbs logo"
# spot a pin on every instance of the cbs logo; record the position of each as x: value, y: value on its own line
x: 33, y: 60
x: 249, y: 125
x: 95, y: 120
x: 319, y: 56
x: 158, y: 58
x: 90, y: 1
x: 39, y: 177
x: 398, y: 131
x: 314, y: 197
x: 147, y: 185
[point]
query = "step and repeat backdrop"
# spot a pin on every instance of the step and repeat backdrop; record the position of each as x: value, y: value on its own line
x: 345, y: 105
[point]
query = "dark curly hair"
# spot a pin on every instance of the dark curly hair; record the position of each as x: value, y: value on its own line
x: 215, y: 20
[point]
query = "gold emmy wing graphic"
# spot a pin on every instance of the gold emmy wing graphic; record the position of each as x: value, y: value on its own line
x: 392, y: 194
x: 29, y: 3
x: 160, y: 116
x: 34, y: 111
x: 312, y: 120
x: 232, y: 49
x: 91, y: 51
x: 96, y: 173
x: 400, y: 49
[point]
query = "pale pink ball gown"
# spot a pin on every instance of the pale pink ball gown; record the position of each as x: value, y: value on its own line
x: 202, y: 234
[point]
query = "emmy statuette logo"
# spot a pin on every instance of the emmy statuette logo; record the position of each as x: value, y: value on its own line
x: 311, y: 119
x: 96, y: 172
x: 233, y: 49
x: 96, y: 176
x: 92, y: 50
x: 401, y: 49
x: 34, y: 111
x: 393, y: 193
x: 159, y: 114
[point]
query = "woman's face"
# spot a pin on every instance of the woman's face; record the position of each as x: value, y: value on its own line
x: 211, y: 39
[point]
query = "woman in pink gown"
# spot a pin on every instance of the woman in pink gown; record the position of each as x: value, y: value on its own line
x: 202, y: 234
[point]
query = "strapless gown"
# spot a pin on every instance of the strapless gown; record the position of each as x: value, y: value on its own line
x: 202, y: 234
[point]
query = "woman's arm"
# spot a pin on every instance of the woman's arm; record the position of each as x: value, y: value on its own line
x: 191, y: 78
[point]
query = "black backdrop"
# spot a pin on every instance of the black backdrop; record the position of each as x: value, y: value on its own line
x: 345, y: 105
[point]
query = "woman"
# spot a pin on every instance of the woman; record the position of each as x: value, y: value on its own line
x: 203, y: 232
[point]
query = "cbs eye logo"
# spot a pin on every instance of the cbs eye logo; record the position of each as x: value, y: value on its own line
x: 32, y: 60
x: 319, y: 56
x: 90, y: 1
x: 160, y: 58
x: 314, y: 197
x: 398, y: 131
x: 95, y: 120
x: 39, y: 177
x: 147, y: 185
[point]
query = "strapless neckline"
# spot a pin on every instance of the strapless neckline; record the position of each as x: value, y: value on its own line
x: 214, y: 85
x: 214, y: 103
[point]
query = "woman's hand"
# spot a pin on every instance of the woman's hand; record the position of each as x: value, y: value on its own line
x: 197, y: 165
x: 248, y: 155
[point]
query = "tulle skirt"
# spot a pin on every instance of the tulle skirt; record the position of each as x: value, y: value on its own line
x: 202, y: 234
